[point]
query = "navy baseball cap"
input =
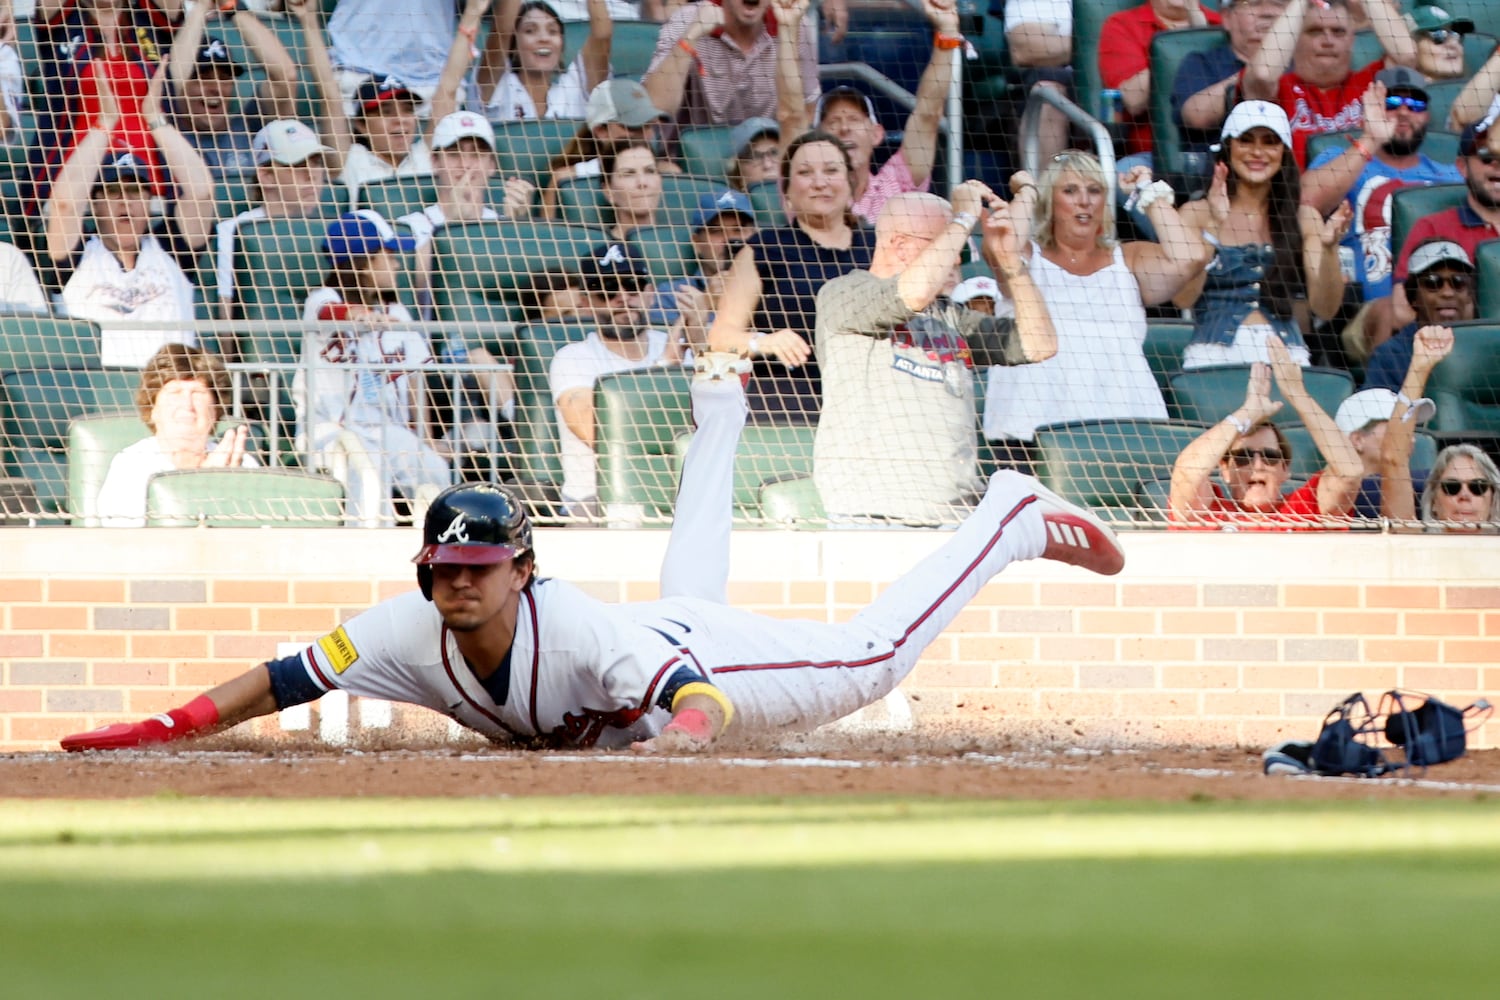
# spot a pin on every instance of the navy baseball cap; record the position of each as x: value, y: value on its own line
x: 715, y: 204
x: 375, y: 92
x: 122, y: 168
x: 361, y: 234
x: 214, y: 57
x: 1473, y: 137
x: 608, y: 267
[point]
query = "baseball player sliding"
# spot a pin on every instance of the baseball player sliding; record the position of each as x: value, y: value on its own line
x: 532, y: 661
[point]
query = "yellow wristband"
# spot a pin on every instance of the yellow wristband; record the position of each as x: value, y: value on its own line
x: 708, y: 691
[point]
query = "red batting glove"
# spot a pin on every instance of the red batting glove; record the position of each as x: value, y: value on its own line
x: 197, y: 715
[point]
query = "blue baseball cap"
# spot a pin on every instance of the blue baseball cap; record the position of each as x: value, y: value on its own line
x: 716, y: 203
x: 361, y: 234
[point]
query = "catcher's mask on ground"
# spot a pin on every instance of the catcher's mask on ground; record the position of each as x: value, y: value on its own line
x: 472, y: 524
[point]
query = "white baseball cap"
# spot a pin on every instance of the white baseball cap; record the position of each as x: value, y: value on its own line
x: 979, y: 286
x: 1434, y: 252
x: 1373, y: 406
x: 1249, y: 115
x: 286, y: 141
x: 462, y: 125
x: 624, y: 101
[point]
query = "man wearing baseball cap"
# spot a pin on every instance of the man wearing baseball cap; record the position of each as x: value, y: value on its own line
x: 1440, y: 41
x: 1363, y: 418
x: 618, y: 111
x: 1376, y: 164
x: 1441, y: 287
x: 1323, y: 92
x: 614, y: 277
x: 848, y: 115
x: 205, y: 77
x: 720, y: 225
x: 1469, y: 223
x: 291, y: 174
x: 756, y: 156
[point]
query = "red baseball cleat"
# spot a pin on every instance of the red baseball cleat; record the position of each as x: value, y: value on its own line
x: 1076, y: 537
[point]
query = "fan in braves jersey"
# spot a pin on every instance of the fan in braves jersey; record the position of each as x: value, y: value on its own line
x: 533, y: 661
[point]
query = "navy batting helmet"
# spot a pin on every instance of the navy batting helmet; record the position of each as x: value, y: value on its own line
x: 472, y: 524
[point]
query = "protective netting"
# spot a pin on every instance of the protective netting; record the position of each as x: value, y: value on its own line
x: 403, y: 244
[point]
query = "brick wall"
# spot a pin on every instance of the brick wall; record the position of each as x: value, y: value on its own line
x: 1220, y: 639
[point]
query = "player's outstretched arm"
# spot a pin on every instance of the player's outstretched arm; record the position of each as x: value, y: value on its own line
x: 700, y: 714
x: 245, y: 697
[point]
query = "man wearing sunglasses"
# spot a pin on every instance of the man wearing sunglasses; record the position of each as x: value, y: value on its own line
x: 1322, y: 92
x: 1440, y: 41
x: 1469, y: 223
x: 1382, y: 160
x: 1254, y: 460
x: 1441, y: 288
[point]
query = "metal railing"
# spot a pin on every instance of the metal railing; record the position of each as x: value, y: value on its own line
x: 1031, y: 143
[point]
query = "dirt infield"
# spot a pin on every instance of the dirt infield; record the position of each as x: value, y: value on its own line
x: 817, y: 765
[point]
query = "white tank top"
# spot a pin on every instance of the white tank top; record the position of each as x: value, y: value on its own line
x: 1099, y: 372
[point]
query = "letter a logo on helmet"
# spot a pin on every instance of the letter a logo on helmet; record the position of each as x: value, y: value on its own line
x: 472, y: 524
x: 457, y: 530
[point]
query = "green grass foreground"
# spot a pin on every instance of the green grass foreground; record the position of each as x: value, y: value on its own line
x: 729, y: 898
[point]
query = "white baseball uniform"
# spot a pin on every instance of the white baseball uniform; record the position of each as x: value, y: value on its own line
x: 585, y: 673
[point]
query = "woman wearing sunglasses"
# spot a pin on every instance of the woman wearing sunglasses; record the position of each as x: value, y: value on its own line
x: 1459, y: 494
x: 1270, y: 249
x: 1254, y: 459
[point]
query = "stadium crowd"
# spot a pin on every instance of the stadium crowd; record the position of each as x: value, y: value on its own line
x: 406, y: 242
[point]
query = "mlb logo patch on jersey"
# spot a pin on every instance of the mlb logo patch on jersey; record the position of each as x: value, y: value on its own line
x: 339, y: 650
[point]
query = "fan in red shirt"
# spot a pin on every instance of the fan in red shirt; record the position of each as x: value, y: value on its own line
x: 1321, y: 93
x: 1254, y: 459
x: 76, y: 41
x: 1125, y: 62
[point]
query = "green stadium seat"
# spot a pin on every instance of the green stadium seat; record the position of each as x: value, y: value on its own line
x: 37, y: 406
x: 1208, y: 395
x: 770, y: 211
x: 582, y: 201
x: 667, y: 251
x: 1367, y: 48
x: 397, y: 196
x: 638, y: 416
x: 531, y: 351
x: 706, y: 149
x: 277, y: 263
x: 478, y: 265
x: 1098, y: 463
x: 792, y: 502
x: 526, y: 149
x: 1168, y: 50
x: 1466, y: 384
x: 630, y: 49
x: 93, y: 442
x: 1410, y: 204
x: 1166, y: 339
x: 1088, y: 30
x: 1487, y: 262
x: 39, y: 340
x: 244, y: 498
x: 767, y: 453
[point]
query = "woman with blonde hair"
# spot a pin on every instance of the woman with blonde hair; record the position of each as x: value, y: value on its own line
x: 1096, y: 290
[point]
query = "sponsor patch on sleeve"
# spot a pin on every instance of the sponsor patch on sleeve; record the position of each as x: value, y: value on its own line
x: 339, y: 650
